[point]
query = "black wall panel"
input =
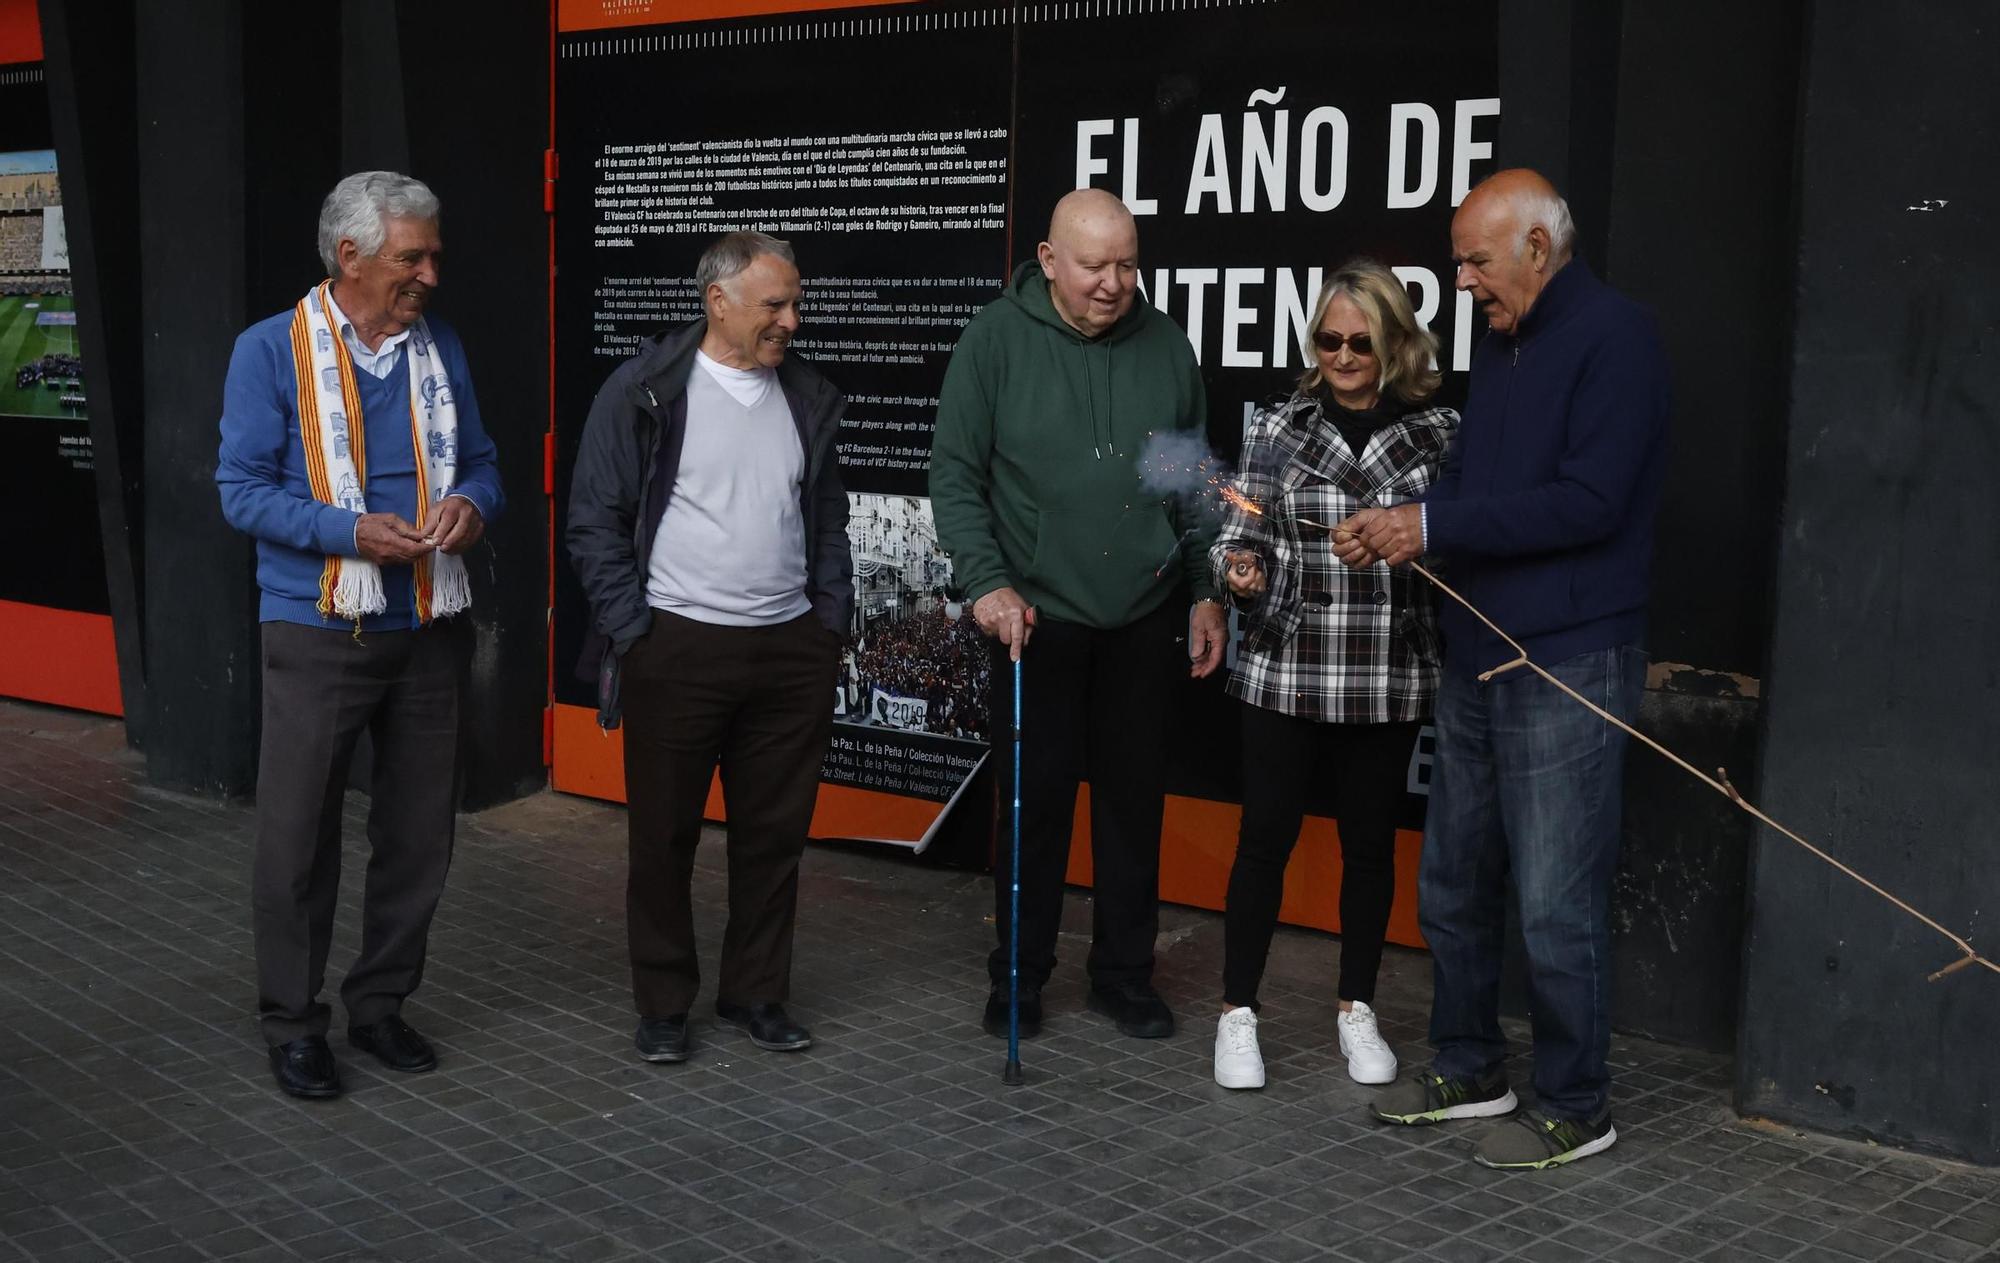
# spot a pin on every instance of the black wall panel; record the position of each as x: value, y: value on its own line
x: 93, y: 107
x: 478, y: 121
x: 1699, y: 229
x: 1614, y: 103
x: 193, y: 285
x: 1883, y: 714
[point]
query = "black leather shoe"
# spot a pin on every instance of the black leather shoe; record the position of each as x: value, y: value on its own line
x: 395, y: 1044
x: 1135, y: 1007
x: 305, y: 1068
x: 663, y: 1038
x: 769, y: 1026
x: 994, y: 1020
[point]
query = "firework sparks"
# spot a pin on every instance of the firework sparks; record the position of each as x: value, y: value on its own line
x: 1238, y: 499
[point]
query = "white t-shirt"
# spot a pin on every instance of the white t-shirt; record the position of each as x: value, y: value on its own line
x: 746, y: 385
x: 731, y: 544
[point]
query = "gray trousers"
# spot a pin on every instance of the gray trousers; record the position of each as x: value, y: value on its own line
x: 322, y: 688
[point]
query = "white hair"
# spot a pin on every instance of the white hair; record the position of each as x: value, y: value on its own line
x: 728, y: 255
x: 1552, y: 213
x: 360, y: 206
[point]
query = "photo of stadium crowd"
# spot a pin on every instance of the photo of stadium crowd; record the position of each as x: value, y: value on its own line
x: 41, y: 374
x: 914, y: 660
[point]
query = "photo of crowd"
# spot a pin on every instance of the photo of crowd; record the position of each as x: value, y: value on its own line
x: 915, y: 660
x: 55, y: 370
x: 41, y: 374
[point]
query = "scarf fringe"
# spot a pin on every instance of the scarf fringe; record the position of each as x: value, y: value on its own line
x: 451, y: 588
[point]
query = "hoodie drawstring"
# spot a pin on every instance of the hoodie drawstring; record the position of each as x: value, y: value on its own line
x: 1090, y: 399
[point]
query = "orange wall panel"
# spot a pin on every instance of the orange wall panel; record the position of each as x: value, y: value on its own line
x: 20, y: 32
x: 1198, y: 844
x: 591, y: 762
x: 1197, y: 841
x: 60, y: 657
x: 601, y: 15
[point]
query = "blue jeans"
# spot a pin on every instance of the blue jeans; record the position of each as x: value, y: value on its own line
x: 1529, y: 782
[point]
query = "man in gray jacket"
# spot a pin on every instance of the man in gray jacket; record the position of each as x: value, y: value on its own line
x: 708, y: 526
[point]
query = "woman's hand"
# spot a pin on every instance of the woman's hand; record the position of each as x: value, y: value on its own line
x: 1244, y: 573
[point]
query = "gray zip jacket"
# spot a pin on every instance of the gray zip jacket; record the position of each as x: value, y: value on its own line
x: 624, y: 475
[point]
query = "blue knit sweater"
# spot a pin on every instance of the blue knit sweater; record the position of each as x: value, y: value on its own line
x: 261, y: 470
x: 1545, y: 509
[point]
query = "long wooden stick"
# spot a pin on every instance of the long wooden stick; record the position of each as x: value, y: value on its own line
x: 1719, y: 782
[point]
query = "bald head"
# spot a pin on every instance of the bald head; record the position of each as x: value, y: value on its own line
x: 1090, y: 211
x: 1510, y: 237
x: 1522, y: 200
x: 1091, y: 260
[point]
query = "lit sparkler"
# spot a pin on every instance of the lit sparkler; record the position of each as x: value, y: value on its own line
x: 1173, y: 552
x: 1245, y: 503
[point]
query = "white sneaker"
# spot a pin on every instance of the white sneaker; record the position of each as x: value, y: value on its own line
x: 1369, y: 1060
x: 1238, y: 1064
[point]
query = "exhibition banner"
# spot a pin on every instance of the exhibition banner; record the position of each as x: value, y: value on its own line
x: 892, y: 190
x: 911, y: 153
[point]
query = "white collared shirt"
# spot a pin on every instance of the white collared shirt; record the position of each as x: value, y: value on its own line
x: 376, y: 363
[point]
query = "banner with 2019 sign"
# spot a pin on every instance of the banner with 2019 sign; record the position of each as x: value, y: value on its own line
x: 911, y: 154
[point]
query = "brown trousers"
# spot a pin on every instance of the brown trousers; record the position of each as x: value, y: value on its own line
x: 759, y: 701
x: 322, y: 687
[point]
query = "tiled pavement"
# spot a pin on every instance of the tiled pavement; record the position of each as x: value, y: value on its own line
x: 137, y: 1118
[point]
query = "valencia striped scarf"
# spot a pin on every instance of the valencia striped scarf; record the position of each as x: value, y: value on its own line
x: 331, y: 432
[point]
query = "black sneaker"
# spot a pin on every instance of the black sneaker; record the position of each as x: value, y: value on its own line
x: 1135, y: 1007
x: 994, y: 1020
x: 1436, y: 1098
x: 1535, y: 1142
x: 663, y: 1038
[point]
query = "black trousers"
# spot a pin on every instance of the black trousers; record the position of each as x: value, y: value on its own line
x: 1095, y: 706
x: 1282, y: 755
x: 759, y: 701
x: 322, y: 687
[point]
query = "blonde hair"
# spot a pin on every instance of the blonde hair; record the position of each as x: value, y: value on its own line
x: 1404, y: 349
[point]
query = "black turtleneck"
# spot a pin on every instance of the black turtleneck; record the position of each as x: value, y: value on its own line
x: 1356, y: 425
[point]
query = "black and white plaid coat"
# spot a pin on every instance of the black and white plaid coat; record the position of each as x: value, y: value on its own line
x: 1326, y: 642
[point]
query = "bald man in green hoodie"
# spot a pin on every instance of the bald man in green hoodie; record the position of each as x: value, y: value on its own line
x: 1050, y: 399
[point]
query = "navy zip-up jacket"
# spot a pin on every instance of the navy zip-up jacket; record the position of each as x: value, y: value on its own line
x: 1545, y: 507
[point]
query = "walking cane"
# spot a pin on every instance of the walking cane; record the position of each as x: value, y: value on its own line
x: 1012, y: 1074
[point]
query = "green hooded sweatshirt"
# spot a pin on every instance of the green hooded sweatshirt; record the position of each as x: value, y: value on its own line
x: 1035, y: 463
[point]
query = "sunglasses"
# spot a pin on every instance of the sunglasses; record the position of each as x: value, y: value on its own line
x: 1359, y: 343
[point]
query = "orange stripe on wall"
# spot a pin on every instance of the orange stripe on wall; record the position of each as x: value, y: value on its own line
x: 1197, y: 842
x: 599, y: 15
x: 20, y: 32
x: 591, y: 762
x: 60, y: 657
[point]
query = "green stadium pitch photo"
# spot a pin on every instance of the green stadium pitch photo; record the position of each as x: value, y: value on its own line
x: 39, y: 371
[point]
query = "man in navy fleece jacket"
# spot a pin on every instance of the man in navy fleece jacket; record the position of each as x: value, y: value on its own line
x: 1545, y: 515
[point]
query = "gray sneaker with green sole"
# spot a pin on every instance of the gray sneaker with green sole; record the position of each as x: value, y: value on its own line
x: 1535, y: 1142
x: 1435, y: 1098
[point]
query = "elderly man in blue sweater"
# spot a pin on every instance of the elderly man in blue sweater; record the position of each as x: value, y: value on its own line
x: 352, y: 452
x: 1545, y: 515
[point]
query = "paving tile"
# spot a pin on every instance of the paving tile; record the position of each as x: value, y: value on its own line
x: 137, y: 1118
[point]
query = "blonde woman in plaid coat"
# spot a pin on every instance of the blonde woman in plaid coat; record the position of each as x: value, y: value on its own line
x: 1338, y: 667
